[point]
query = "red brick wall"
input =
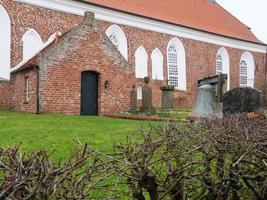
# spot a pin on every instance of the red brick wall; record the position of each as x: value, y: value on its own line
x: 200, y: 62
x: 6, y: 91
x: 19, y: 95
x: 200, y: 56
x: 44, y: 21
x: 85, y: 48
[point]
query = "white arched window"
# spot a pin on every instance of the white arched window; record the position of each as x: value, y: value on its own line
x: 5, y: 41
x: 114, y: 40
x: 141, y: 62
x: 223, y: 64
x: 176, y: 64
x: 219, y: 64
x: 139, y: 92
x: 32, y: 43
x: 118, y: 38
x: 157, y: 64
x: 246, y: 70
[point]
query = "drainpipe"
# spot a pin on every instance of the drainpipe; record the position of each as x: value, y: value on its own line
x: 37, y: 90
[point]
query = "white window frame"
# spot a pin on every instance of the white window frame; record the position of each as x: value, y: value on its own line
x: 33, y: 45
x: 157, y: 64
x: 5, y: 44
x: 141, y: 59
x: 117, y: 32
x: 225, y: 64
x: 181, y: 63
x: 247, y: 57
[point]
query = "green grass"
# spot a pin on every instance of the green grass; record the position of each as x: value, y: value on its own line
x: 60, y: 132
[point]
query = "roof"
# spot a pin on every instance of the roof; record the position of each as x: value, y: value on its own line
x: 197, y: 14
x: 2, y: 79
x: 32, y: 60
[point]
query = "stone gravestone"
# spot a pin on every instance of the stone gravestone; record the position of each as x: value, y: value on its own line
x: 167, y: 97
x: 133, y: 102
x: 147, y: 106
x: 242, y: 99
x: 167, y: 108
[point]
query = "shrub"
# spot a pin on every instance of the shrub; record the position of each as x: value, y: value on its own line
x: 35, y: 176
x: 215, y: 159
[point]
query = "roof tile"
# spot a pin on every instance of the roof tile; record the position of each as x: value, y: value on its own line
x: 197, y: 14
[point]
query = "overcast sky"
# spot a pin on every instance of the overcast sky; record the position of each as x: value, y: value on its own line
x: 253, y: 13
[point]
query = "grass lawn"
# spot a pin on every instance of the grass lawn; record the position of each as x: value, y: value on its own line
x: 60, y: 132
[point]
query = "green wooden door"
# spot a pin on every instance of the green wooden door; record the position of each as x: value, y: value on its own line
x: 89, y: 93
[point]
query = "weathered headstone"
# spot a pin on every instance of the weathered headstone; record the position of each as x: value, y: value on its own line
x: 147, y: 106
x: 133, y: 101
x: 242, y: 99
x: 167, y: 97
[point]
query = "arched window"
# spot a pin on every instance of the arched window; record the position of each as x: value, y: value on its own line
x: 139, y: 92
x: 118, y: 38
x: 141, y: 62
x: 243, y: 74
x: 5, y: 41
x: 114, y: 40
x: 32, y: 42
x: 247, y: 68
x: 157, y: 64
x: 219, y: 64
x: 223, y: 64
x: 176, y: 64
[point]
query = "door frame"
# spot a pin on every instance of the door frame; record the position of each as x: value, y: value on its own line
x: 98, y: 86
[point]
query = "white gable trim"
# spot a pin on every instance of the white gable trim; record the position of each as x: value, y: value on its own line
x: 50, y: 40
x: 78, y: 8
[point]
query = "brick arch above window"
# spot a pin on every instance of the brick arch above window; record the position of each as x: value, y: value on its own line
x: 223, y: 64
x: 246, y: 70
x: 5, y: 43
x: 176, y: 60
x: 118, y: 38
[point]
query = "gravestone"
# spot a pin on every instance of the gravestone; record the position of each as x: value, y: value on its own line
x: 147, y: 106
x: 242, y: 99
x: 133, y: 102
x: 167, y: 97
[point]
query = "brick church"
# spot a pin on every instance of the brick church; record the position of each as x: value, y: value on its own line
x: 83, y: 56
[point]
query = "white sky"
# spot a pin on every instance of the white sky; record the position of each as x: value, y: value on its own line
x: 253, y: 13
